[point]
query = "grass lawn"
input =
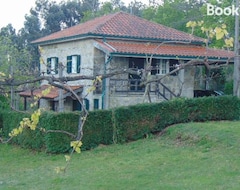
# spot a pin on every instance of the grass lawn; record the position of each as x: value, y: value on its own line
x: 188, y: 156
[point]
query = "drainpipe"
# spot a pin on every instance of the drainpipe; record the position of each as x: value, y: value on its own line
x: 104, y: 84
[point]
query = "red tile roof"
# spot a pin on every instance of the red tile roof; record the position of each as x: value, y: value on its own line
x: 171, y: 50
x: 122, y: 25
x: 54, y: 92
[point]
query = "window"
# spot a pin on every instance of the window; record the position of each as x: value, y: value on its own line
x: 73, y: 64
x: 78, y: 107
x: 52, y: 105
x: 96, y: 104
x: 52, y: 65
x: 86, y: 104
x: 136, y: 64
x: 173, y: 63
x: 160, y: 66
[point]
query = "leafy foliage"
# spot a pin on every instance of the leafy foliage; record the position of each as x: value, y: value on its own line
x: 218, y: 33
x: 4, y: 103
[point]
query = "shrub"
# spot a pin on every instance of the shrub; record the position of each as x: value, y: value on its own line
x: 4, y: 103
x: 97, y: 130
x: 121, y: 124
x: 228, y: 87
x: 134, y: 122
x: 57, y: 142
x: 28, y: 139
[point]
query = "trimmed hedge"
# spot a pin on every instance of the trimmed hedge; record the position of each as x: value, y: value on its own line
x: 97, y: 129
x: 28, y: 139
x: 134, y: 122
x: 58, y: 142
x: 121, y: 124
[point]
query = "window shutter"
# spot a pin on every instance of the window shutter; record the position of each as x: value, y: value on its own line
x: 78, y: 63
x: 56, y: 66
x: 69, y: 64
x: 96, y: 104
x: 86, y: 104
x: 48, y: 65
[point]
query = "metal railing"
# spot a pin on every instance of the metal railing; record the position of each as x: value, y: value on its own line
x: 134, y: 85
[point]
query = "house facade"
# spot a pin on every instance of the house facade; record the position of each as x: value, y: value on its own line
x: 118, y: 42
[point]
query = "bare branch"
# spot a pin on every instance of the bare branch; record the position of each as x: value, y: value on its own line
x: 51, y: 79
x: 61, y: 131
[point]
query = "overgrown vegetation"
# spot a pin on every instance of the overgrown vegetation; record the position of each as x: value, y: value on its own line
x: 119, y: 125
x: 187, y: 156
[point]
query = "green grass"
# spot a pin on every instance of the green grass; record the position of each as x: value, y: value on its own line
x: 188, y: 156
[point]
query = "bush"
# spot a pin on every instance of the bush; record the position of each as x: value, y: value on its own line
x: 4, y: 103
x: 28, y: 139
x: 119, y: 125
x: 57, y: 142
x: 228, y: 88
x: 97, y: 130
x: 134, y: 122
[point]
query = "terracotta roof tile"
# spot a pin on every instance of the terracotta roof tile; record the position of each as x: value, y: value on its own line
x: 165, y: 49
x: 121, y: 25
x: 54, y: 92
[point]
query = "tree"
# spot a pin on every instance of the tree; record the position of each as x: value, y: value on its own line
x: 15, y: 65
x: 136, y: 7
x: 167, y: 13
x: 73, y: 13
x: 216, y: 20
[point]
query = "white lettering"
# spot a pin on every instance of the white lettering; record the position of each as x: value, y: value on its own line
x: 210, y: 9
x: 235, y: 10
x: 218, y: 11
x: 227, y: 11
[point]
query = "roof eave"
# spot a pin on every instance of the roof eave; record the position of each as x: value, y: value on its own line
x: 115, y: 37
x: 180, y: 57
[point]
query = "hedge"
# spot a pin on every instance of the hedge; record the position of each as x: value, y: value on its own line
x: 97, y: 129
x: 134, y: 122
x: 121, y: 124
x: 28, y: 139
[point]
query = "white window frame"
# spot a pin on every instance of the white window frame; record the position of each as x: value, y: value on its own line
x: 53, y: 65
x: 74, y: 63
x: 162, y: 67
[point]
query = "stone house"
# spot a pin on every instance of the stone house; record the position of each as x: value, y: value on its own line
x: 121, y: 41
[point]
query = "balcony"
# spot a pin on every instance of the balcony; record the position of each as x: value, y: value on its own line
x: 133, y: 86
x: 126, y: 85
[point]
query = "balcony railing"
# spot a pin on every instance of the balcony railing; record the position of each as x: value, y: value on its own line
x: 126, y: 85
x: 134, y: 85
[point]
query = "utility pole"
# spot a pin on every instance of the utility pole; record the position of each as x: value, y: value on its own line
x: 236, y: 77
